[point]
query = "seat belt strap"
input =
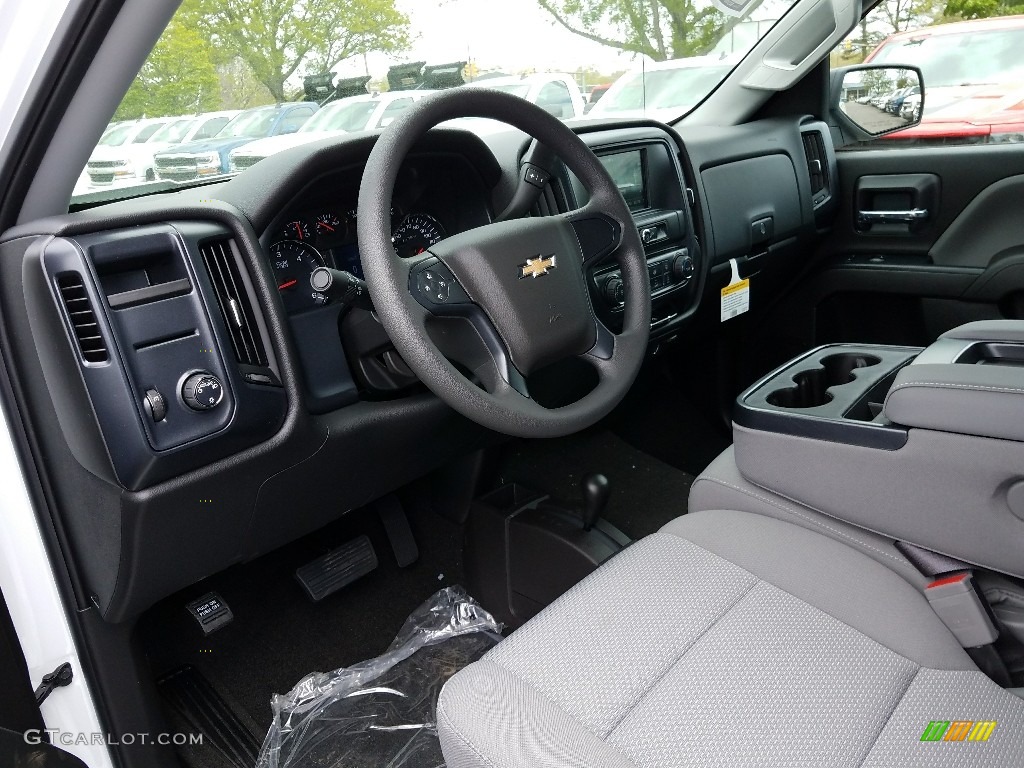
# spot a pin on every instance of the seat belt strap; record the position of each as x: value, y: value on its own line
x: 931, y: 564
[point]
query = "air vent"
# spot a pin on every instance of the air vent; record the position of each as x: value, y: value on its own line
x: 552, y: 199
x: 235, y: 304
x: 814, y: 150
x: 82, y: 317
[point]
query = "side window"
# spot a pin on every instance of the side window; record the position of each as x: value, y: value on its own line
x: 147, y: 133
x: 554, y: 97
x: 392, y: 110
x: 211, y: 127
x: 973, y: 73
x: 294, y: 120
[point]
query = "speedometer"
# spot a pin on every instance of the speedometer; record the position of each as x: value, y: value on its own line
x: 416, y: 233
x: 293, y: 263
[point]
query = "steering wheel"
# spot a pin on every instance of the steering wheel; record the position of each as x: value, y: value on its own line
x: 520, y: 285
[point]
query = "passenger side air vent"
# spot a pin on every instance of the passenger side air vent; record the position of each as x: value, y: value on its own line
x: 817, y: 165
x: 235, y: 304
x: 83, y: 318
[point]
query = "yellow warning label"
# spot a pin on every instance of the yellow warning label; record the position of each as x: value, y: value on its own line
x: 735, y: 299
x: 742, y: 285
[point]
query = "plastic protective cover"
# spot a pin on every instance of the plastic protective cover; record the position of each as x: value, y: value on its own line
x: 382, y: 712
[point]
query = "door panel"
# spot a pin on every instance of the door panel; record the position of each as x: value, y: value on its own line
x: 964, y: 173
x: 907, y: 282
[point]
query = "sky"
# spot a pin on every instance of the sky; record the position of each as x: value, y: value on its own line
x: 511, y: 35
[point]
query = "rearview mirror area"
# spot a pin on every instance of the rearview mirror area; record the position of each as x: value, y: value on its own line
x: 872, y: 100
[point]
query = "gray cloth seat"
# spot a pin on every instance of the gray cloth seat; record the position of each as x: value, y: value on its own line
x: 733, y: 639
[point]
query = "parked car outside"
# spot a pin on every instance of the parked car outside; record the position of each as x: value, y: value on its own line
x: 137, y: 160
x: 556, y: 93
x: 896, y: 99
x: 116, y: 156
x: 348, y: 115
x: 212, y: 157
x: 664, y: 89
x: 974, y: 77
x: 911, y: 107
x: 595, y: 95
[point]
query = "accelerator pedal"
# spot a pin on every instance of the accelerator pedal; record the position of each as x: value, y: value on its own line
x: 338, y: 568
x: 396, y: 526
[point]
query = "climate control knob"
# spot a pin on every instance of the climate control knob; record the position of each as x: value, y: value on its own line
x: 614, y: 290
x: 202, y: 391
x: 683, y: 266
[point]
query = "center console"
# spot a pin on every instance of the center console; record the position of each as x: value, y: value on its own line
x: 833, y: 393
x: 924, y: 446
x: 645, y: 167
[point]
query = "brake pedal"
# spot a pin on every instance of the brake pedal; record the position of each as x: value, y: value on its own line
x: 338, y: 568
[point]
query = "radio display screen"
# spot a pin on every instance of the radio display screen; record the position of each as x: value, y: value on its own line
x: 627, y: 171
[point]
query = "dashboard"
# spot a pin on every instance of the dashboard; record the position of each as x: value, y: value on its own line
x: 211, y: 406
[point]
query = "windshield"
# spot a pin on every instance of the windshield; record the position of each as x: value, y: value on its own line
x: 174, y: 132
x: 521, y: 90
x: 350, y: 117
x: 661, y: 89
x: 966, y: 58
x: 324, y: 59
x: 252, y: 125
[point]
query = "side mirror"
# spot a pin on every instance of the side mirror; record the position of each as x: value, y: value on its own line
x: 871, y: 100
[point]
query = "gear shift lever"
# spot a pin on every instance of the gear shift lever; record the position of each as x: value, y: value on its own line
x: 595, y: 498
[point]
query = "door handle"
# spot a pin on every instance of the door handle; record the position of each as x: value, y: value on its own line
x: 901, y: 217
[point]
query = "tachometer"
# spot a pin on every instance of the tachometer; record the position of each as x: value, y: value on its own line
x: 416, y: 233
x: 293, y: 263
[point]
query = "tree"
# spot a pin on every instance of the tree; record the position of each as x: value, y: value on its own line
x: 178, y: 78
x: 981, y: 9
x: 902, y: 15
x: 278, y: 37
x: 660, y: 29
x: 239, y: 88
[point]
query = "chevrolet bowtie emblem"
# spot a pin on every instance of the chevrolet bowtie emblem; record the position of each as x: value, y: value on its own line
x: 537, y: 267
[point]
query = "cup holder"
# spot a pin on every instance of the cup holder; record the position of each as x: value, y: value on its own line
x: 811, y: 387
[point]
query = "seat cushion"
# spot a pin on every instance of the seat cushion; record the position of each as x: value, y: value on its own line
x: 732, y: 639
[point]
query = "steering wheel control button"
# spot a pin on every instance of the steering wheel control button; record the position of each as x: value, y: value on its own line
x: 614, y: 290
x: 202, y: 391
x: 156, y: 405
x: 434, y: 285
x: 536, y: 176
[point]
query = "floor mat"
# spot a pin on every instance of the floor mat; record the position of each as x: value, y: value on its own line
x: 645, y: 492
x: 278, y: 635
x: 382, y: 711
x: 659, y: 418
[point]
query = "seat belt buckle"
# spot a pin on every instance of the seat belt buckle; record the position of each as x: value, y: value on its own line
x: 956, y: 601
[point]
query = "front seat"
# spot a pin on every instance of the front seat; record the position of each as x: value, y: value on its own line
x: 729, y: 639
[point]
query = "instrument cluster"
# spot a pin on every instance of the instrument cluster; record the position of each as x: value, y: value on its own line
x: 326, y: 236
